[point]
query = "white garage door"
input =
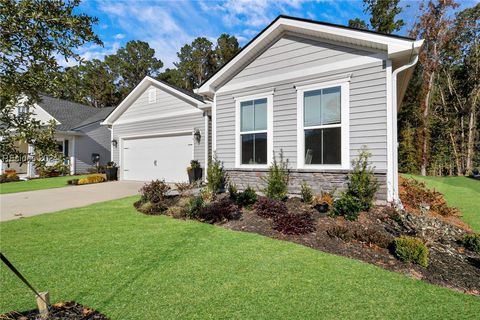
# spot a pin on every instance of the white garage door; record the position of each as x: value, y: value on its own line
x: 164, y: 157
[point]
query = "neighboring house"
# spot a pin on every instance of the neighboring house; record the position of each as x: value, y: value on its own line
x: 78, y: 134
x: 318, y: 92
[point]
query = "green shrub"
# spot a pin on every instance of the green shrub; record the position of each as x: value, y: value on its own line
x: 247, y: 198
x: 410, y: 249
x: 363, y: 184
x: 472, y: 242
x: 215, y: 175
x: 193, y: 207
x: 306, y: 192
x: 154, y: 191
x: 347, y: 206
x: 277, y: 179
x: 232, y: 190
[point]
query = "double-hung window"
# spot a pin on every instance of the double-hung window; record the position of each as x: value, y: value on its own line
x: 323, y: 126
x: 254, y: 139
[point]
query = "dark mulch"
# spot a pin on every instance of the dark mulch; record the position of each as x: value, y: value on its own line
x: 366, y: 239
x: 60, y: 311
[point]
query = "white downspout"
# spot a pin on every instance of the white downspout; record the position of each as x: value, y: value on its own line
x: 395, y: 73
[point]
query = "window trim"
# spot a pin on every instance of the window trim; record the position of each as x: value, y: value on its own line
x: 344, y: 85
x: 269, y: 131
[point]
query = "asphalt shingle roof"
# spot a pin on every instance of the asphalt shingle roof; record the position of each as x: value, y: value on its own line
x: 71, y: 114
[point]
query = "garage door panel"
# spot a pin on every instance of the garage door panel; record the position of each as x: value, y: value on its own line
x: 164, y: 157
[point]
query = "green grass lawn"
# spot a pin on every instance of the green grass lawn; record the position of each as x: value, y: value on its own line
x: 132, y: 266
x: 36, y: 184
x: 460, y: 192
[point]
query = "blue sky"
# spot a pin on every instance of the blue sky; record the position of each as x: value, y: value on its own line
x: 167, y: 25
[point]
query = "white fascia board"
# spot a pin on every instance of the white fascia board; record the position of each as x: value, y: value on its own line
x: 147, y: 81
x: 393, y: 46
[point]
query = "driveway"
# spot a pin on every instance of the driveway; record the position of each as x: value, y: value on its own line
x: 31, y: 203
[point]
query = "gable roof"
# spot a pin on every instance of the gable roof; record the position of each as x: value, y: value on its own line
x: 98, y: 117
x: 71, y: 115
x: 395, y: 46
x: 194, y: 99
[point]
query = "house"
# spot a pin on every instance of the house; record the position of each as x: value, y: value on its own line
x: 316, y: 92
x: 78, y: 134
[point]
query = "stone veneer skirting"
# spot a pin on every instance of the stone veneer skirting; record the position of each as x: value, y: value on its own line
x: 317, y: 179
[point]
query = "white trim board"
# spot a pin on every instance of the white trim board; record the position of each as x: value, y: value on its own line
x: 345, y: 125
x: 161, y: 116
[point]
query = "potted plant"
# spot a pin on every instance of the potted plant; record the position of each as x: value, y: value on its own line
x: 194, y: 171
x: 323, y: 203
x: 111, y: 171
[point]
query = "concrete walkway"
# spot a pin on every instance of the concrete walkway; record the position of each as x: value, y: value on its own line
x: 31, y: 203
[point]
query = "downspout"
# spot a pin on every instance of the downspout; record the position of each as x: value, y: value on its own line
x: 413, y: 62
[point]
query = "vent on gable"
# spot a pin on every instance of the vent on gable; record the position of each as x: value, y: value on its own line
x: 152, y: 95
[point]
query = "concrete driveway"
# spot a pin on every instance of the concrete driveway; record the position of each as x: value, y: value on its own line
x: 31, y: 203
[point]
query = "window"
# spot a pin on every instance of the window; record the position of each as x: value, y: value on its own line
x: 323, y: 126
x: 253, y: 141
x: 22, y: 109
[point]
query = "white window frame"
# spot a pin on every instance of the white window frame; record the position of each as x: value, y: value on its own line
x: 269, y: 131
x: 344, y: 85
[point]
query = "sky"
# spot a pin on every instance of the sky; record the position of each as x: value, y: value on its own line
x: 167, y: 24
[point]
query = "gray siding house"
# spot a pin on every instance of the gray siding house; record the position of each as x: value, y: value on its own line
x: 79, y: 134
x: 317, y: 92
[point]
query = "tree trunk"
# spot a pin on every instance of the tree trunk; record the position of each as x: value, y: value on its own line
x: 471, y: 139
x: 426, y: 111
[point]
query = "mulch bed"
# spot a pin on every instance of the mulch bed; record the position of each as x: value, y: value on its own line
x: 59, y: 311
x: 450, y: 265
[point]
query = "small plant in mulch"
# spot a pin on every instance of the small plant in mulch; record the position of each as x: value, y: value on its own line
x: 306, y: 192
x: 410, y: 249
x: 193, y: 207
x: 472, y: 242
x: 322, y: 203
x: 217, y: 211
x: 269, y: 208
x: 347, y: 206
x: 277, y: 179
x: 363, y: 184
x: 59, y: 311
x: 294, y: 223
x: 415, y: 196
x: 247, y: 198
x: 360, y: 233
x: 154, y: 199
x: 232, y: 190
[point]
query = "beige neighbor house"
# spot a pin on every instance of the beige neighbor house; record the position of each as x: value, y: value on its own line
x: 79, y: 135
x: 316, y: 91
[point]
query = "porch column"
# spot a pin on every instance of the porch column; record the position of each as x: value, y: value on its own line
x: 72, y: 156
x: 30, y: 161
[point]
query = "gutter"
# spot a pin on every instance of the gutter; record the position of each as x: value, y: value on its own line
x: 413, y: 62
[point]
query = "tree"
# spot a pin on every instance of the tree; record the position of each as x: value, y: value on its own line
x: 433, y: 26
x: 98, y: 85
x: 383, y: 13
x: 133, y: 63
x: 357, y: 23
x: 196, y: 62
x: 227, y: 47
x: 34, y: 34
x: 173, y: 77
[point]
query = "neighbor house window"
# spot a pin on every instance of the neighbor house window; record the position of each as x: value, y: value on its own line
x: 253, y: 131
x: 323, y: 133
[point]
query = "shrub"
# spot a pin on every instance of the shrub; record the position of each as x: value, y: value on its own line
x: 94, y: 178
x: 152, y: 208
x: 232, y: 190
x: 176, y: 212
x: 4, y: 178
x: 215, y: 175
x: 363, y: 185
x: 72, y: 182
x: 415, y: 194
x: 193, y: 207
x: 306, y: 192
x: 410, y: 249
x: 207, y: 195
x: 217, y: 211
x: 247, y: 198
x: 291, y: 223
x: 183, y: 188
x: 269, y: 208
x: 277, y: 179
x: 45, y: 171
x: 154, y: 191
x: 347, y: 206
x: 472, y: 242
x: 324, y: 198
x: 359, y: 233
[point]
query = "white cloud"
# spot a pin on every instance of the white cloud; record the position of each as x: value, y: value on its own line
x: 119, y: 36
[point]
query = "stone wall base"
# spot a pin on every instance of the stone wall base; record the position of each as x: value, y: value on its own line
x: 317, y: 180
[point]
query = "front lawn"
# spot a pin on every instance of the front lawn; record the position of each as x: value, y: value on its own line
x: 460, y: 192
x: 134, y: 266
x: 36, y: 184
